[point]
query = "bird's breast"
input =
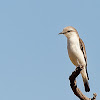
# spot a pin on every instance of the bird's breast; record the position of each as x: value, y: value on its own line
x: 75, y: 54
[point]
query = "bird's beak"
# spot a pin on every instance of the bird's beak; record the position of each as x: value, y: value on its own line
x: 61, y: 33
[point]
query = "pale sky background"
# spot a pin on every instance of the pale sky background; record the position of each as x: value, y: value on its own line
x: 34, y: 63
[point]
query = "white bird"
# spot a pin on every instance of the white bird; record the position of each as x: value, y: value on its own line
x: 77, y: 52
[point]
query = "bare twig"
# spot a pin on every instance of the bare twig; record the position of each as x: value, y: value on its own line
x: 74, y: 87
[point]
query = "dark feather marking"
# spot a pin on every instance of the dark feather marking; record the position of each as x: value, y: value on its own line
x: 84, y: 53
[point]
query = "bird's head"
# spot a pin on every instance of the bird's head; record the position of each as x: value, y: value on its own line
x: 69, y: 31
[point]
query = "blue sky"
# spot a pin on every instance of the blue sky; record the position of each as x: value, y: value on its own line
x: 34, y: 63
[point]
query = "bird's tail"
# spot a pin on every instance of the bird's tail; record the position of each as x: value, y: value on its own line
x: 85, y: 79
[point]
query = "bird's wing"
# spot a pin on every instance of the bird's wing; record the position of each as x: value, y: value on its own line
x: 82, y: 47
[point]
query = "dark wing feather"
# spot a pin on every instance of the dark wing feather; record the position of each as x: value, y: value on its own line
x: 84, y: 53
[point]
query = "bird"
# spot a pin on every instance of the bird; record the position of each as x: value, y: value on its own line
x: 77, y: 52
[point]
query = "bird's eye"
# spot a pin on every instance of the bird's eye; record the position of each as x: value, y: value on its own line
x: 68, y: 31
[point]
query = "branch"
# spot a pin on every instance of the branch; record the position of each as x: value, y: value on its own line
x: 74, y: 87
